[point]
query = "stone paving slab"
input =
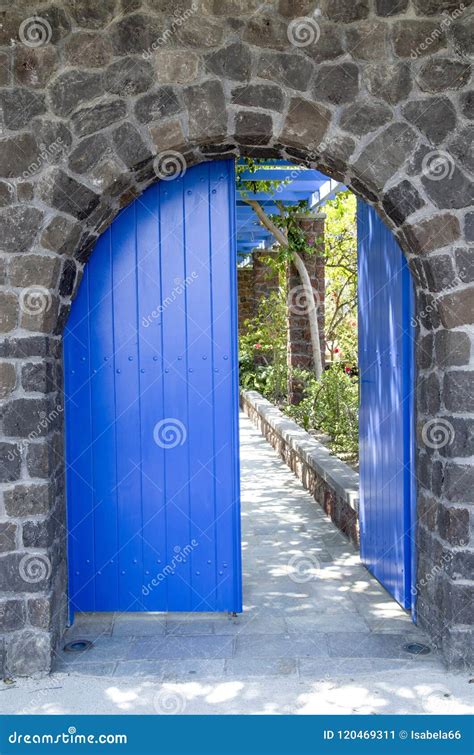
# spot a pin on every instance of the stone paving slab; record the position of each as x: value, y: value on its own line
x: 253, y: 623
x: 372, y: 645
x: 271, y: 646
x: 166, y: 670
x: 90, y: 630
x: 106, y: 668
x: 172, y: 648
x: 328, y: 621
x: 247, y: 668
x: 103, y: 649
x: 199, y: 626
x: 331, y: 669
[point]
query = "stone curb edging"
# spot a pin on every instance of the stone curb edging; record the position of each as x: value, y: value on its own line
x: 332, y: 483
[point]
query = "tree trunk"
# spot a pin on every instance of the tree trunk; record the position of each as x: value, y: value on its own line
x: 281, y: 239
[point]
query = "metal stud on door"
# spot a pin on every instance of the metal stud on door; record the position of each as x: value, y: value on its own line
x: 151, y: 385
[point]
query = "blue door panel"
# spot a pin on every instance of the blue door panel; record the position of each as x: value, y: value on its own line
x: 386, y: 406
x: 150, y: 358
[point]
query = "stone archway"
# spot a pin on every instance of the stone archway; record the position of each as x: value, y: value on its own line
x: 99, y: 98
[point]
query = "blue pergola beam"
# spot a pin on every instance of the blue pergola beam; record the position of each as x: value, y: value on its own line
x: 303, y: 174
x: 302, y: 184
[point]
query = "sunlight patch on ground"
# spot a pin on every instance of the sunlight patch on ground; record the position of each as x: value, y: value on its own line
x: 123, y: 699
x: 331, y: 698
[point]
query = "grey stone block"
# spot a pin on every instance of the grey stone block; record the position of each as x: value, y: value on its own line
x: 174, y: 648
x: 72, y: 89
x: 292, y: 645
x: 28, y: 652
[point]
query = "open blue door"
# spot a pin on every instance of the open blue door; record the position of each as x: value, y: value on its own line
x: 151, y: 382
x: 386, y: 406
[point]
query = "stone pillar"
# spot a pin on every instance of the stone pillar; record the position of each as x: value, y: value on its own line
x: 254, y: 283
x: 299, y: 339
x: 265, y: 282
x: 246, y: 297
x: 265, y: 279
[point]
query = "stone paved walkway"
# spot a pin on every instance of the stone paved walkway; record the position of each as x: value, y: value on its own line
x: 318, y: 633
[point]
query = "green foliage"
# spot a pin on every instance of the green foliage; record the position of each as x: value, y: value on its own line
x: 248, y: 186
x: 340, y: 243
x: 262, y: 349
x: 331, y: 405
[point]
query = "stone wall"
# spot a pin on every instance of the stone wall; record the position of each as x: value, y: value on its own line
x: 246, y: 297
x: 254, y: 283
x: 98, y: 100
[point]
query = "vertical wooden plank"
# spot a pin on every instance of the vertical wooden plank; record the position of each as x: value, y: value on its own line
x: 151, y: 388
x: 127, y: 423
x: 410, y: 518
x: 225, y: 385
x: 362, y: 262
x: 204, y: 524
x: 102, y: 349
x: 172, y: 431
x: 80, y: 517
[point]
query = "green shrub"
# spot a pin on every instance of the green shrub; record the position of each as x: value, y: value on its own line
x: 330, y: 405
x: 262, y: 349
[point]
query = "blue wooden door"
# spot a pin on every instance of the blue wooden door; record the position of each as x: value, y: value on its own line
x: 386, y: 406
x: 151, y: 386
